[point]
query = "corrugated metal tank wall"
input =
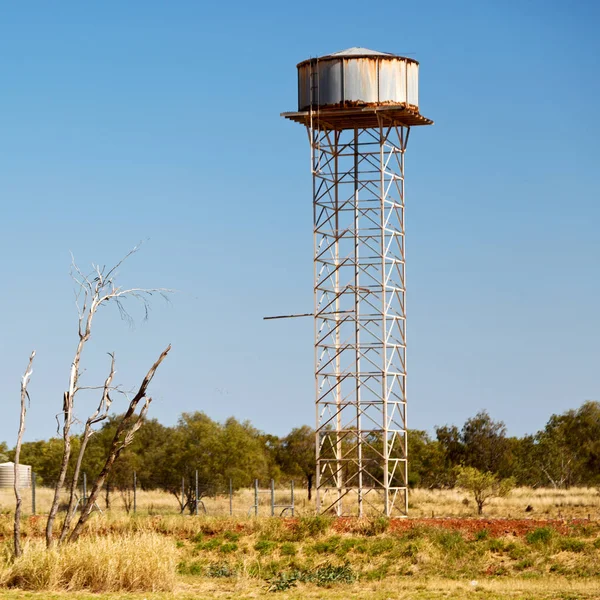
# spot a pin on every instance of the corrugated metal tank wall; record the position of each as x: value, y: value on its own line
x: 7, y: 475
x: 339, y: 81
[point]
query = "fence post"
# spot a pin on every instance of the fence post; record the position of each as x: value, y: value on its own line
x: 182, y: 494
x: 84, y: 489
x: 230, y: 497
x: 33, y: 492
x: 256, y: 497
x: 272, y: 497
x: 292, y: 492
x: 196, y: 509
x: 134, y: 492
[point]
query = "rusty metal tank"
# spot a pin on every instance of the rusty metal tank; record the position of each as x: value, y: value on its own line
x: 358, y: 77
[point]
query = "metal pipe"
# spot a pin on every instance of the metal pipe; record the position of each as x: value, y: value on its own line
x: 272, y: 498
x: 33, y: 478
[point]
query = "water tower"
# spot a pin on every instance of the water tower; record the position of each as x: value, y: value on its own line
x: 358, y: 107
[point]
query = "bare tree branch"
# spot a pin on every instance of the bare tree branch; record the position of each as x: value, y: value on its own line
x: 99, y: 415
x: 129, y: 425
x: 24, y: 396
x: 94, y: 290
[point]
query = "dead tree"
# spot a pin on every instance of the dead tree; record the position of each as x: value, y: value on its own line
x: 93, y: 291
x: 126, y: 430
x: 101, y: 413
x: 24, y: 398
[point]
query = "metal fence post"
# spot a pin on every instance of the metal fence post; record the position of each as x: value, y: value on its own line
x: 292, y: 493
x: 196, y: 509
x: 272, y: 497
x: 230, y: 497
x: 134, y: 492
x: 256, y: 497
x: 33, y: 492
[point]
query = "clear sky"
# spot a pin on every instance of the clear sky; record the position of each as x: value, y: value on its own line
x: 123, y: 121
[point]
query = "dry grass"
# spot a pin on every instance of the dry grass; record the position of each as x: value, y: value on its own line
x: 224, y: 557
x: 157, y: 502
x: 545, y: 502
x: 143, y: 561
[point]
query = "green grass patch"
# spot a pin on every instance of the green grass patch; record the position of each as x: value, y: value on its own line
x: 542, y: 536
x: 265, y: 547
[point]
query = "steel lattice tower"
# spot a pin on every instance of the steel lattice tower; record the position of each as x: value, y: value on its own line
x: 357, y: 158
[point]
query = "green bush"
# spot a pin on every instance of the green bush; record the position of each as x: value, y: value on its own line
x: 541, y: 536
x: 327, y: 546
x: 231, y: 536
x: 328, y: 574
x: 524, y: 564
x: 482, y: 534
x: 380, y: 546
x: 568, y: 544
x: 496, y: 545
x: 209, y: 545
x: 450, y: 540
x: 288, y: 549
x: 193, y: 568
x: 265, y: 546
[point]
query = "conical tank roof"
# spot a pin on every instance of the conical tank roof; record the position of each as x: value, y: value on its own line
x: 358, y: 51
x: 355, y: 52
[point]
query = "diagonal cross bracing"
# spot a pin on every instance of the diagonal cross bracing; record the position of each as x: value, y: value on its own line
x: 360, y: 320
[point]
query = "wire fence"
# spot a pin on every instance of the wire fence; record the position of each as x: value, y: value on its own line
x: 190, y: 497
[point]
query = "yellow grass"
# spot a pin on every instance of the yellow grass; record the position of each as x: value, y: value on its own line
x: 546, y: 503
x: 142, y: 561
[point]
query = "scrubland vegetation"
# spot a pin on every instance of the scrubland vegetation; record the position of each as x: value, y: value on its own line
x: 540, y: 540
x: 506, y: 554
x: 566, y: 453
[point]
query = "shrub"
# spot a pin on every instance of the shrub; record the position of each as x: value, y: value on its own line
x: 210, y: 545
x: 313, y: 526
x: 450, y: 540
x: 380, y: 546
x: 329, y: 574
x: 540, y: 536
x: 483, y: 486
x: 571, y: 544
x: 265, y: 546
x: 287, y: 549
x: 524, y: 564
x: 327, y: 546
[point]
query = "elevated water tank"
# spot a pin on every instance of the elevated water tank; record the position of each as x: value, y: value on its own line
x: 358, y: 77
x: 7, y: 475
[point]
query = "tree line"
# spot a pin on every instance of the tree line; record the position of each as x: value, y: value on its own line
x: 566, y: 452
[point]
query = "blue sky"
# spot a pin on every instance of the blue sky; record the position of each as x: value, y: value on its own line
x: 122, y: 122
